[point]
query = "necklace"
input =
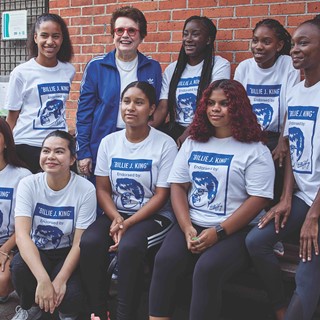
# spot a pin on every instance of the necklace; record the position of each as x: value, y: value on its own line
x: 121, y: 64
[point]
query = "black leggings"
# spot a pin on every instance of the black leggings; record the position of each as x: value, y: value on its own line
x: 210, y: 271
x: 132, y: 251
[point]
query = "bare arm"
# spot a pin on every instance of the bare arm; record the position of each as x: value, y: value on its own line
x: 69, y: 265
x: 281, y: 211
x: 45, y: 294
x: 310, y: 231
x: 180, y: 204
x: 238, y: 220
x: 5, y: 253
x: 12, y: 118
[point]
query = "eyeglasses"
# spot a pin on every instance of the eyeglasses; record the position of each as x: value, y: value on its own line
x: 131, y: 31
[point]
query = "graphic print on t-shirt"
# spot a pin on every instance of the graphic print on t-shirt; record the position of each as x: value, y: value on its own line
x: 130, y: 179
x: 301, y: 130
x: 6, y: 197
x: 51, y: 112
x: 210, y: 176
x: 265, y: 100
x: 52, y: 226
x: 186, y: 99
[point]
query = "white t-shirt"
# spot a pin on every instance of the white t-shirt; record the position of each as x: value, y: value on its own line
x: 136, y: 169
x: 267, y: 89
x: 303, y: 130
x: 223, y: 173
x: 10, y: 176
x: 128, y: 74
x: 40, y: 94
x: 186, y: 93
x: 56, y: 214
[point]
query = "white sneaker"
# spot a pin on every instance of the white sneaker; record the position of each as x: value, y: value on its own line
x: 34, y: 313
x: 64, y: 316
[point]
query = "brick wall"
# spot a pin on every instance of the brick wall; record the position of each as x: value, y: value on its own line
x: 88, y: 22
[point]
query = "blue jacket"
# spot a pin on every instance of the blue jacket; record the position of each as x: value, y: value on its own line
x: 99, y: 100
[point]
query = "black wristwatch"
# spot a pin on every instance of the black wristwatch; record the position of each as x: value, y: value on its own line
x: 221, y: 233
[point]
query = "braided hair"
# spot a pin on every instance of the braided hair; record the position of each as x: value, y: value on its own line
x: 281, y: 33
x: 205, y: 78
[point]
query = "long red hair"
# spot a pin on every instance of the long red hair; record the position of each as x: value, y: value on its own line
x: 244, y: 123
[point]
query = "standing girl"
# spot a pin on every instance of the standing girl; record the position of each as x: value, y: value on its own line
x: 268, y: 77
x: 53, y: 209
x: 11, y: 172
x: 132, y: 189
x: 185, y: 79
x: 221, y: 178
x: 39, y: 88
x: 299, y: 208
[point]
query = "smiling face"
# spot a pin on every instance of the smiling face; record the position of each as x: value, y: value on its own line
x: 49, y: 40
x: 265, y: 46
x: 126, y: 45
x: 195, y: 39
x: 305, y: 51
x: 135, y: 108
x: 55, y: 156
x: 218, y: 115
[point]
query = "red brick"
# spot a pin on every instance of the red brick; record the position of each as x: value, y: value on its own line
x: 243, y: 34
x: 169, y: 25
x: 235, y: 23
x: 158, y: 37
x: 70, y: 12
x: 146, y: 6
x: 92, y: 30
x: 224, y: 35
x: 255, y: 20
x: 287, y: 8
x: 233, y: 2
x: 218, y: 12
x: 169, y: 47
x: 81, y: 3
x: 313, y: 7
x: 240, y: 56
x: 147, y: 47
x: 96, y: 49
x: 93, y: 10
x: 81, y: 21
x: 158, y: 15
x: 233, y: 45
x: 183, y: 14
x: 244, y: 11
x: 202, y: 3
x: 82, y: 39
x: 172, y: 4
x: 294, y: 21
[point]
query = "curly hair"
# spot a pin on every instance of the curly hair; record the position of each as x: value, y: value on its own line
x: 243, y: 121
x: 132, y: 13
x: 9, y: 153
x: 65, y: 53
x: 280, y: 32
x: 182, y: 61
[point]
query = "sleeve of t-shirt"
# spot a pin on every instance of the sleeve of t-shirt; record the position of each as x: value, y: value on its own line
x: 87, y: 210
x: 179, y: 172
x: 238, y: 74
x: 166, y: 79
x: 15, y: 92
x: 102, y: 165
x: 167, y: 158
x: 24, y: 196
x: 221, y: 69
x: 259, y: 175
